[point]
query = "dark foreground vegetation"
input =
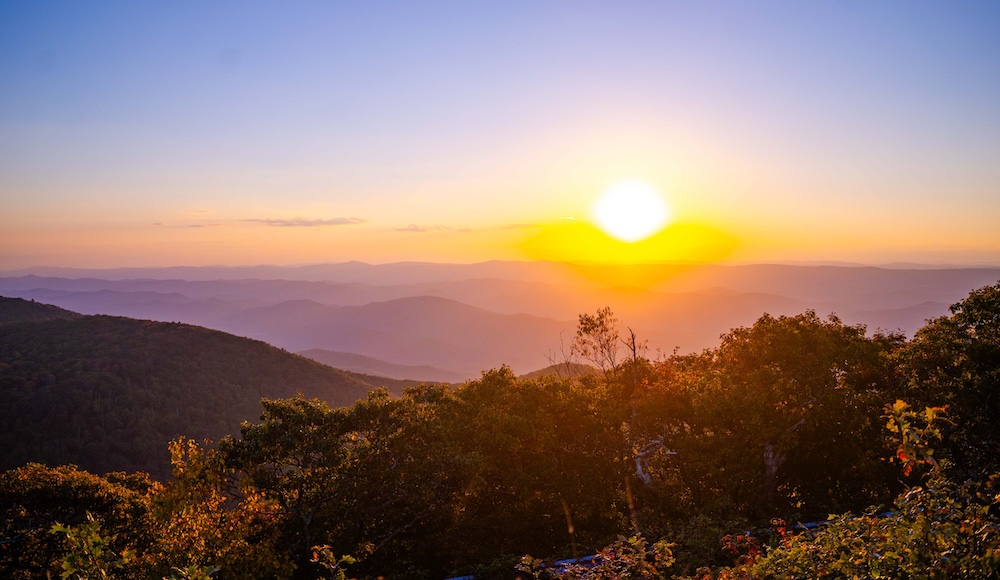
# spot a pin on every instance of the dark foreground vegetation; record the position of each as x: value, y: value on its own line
x: 694, y: 465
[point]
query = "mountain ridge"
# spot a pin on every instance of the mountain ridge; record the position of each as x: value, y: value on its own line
x: 107, y: 393
x: 352, y: 310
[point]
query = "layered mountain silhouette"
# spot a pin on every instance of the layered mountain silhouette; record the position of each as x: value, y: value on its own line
x: 360, y: 363
x: 460, y: 319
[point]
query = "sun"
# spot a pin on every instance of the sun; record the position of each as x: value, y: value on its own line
x: 631, y: 211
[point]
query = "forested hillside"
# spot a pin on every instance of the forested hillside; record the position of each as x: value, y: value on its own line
x: 18, y: 310
x: 108, y: 393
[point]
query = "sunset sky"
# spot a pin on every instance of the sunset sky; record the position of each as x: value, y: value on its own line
x: 195, y: 133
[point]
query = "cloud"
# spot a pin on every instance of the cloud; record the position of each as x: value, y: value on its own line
x: 416, y: 228
x: 306, y: 223
x: 431, y: 228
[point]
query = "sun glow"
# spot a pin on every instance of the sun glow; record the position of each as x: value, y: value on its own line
x: 573, y: 241
x: 631, y: 211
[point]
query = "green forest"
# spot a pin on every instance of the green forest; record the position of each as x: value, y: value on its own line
x: 704, y: 465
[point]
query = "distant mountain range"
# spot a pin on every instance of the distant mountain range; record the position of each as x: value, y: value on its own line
x: 108, y: 393
x: 459, y: 319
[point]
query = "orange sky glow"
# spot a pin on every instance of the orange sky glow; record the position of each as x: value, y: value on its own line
x: 463, y: 133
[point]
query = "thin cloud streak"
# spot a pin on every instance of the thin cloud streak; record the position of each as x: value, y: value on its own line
x: 420, y: 229
x: 307, y: 223
x: 415, y: 228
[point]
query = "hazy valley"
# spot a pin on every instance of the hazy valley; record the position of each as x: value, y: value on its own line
x: 448, y: 322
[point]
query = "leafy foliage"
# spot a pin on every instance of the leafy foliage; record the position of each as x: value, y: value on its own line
x: 782, y: 419
x: 203, y: 526
x: 627, y: 558
x: 955, y: 361
x: 937, y: 530
x: 597, y: 339
x: 789, y: 419
x: 33, y: 498
x: 90, y: 554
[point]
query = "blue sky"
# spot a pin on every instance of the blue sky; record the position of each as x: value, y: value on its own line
x: 823, y: 130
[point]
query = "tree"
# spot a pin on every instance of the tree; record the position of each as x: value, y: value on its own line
x: 34, y: 497
x: 939, y: 529
x: 546, y: 450
x: 372, y: 481
x: 202, y: 524
x: 298, y: 457
x: 955, y: 360
x: 781, y: 418
x: 597, y: 340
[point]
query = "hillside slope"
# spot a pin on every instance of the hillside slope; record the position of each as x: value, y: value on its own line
x: 17, y: 310
x: 108, y: 393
